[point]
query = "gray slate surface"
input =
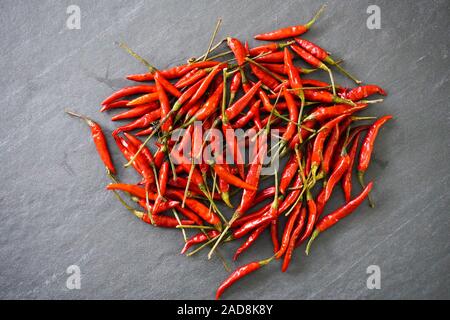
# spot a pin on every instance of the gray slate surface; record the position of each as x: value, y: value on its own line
x: 54, y: 211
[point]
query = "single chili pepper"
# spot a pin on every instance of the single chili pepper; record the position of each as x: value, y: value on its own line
x: 144, y: 99
x: 239, y: 105
x: 330, y: 148
x: 274, y: 235
x: 264, y: 194
x: 114, y: 105
x: 238, y: 50
x: 175, y: 72
x: 274, y: 57
x: 278, y: 68
x: 167, y: 86
x: 332, y: 218
x: 185, y: 80
x: 293, y: 240
x: 189, y: 214
x: 232, y: 146
x: 289, y: 32
x: 251, y: 114
x: 363, y: 92
x: 159, y: 156
x: 309, y: 58
x: 142, y: 164
x: 316, y: 157
x: 288, y: 173
x: 288, y: 230
x: 159, y: 206
x: 322, y: 55
x: 199, y: 238
x: 128, y: 91
x: 142, y: 122
x: 145, y: 132
x: 125, y: 152
x: 312, y: 216
x: 251, y: 216
x: 136, y: 112
x: 293, y: 195
x: 99, y: 140
x: 165, y: 104
x: 250, y: 240
x: 223, y: 173
x: 264, y: 77
x: 293, y: 117
x: 240, y: 273
x: 326, y: 97
x: 367, y: 148
x: 209, y: 107
x: 163, y: 177
x: 323, y: 113
x: 205, y: 83
x: 181, y: 182
x: 347, y: 178
x: 270, y: 47
x: 234, y: 86
x: 198, y: 208
x: 338, y: 172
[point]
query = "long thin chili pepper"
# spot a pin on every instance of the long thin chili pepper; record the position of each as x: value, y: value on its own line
x: 250, y: 240
x: 288, y: 230
x: 274, y: 235
x: 363, y: 92
x: 223, y: 173
x: 347, y: 178
x: 332, y: 218
x: 289, y: 32
x: 293, y: 240
x: 367, y: 149
x: 142, y: 122
x: 136, y: 112
x: 288, y: 174
x: 115, y: 104
x: 99, y: 140
x: 240, y: 273
x: 128, y: 91
x: 238, y: 50
x: 199, y: 238
x: 239, y: 105
x: 312, y: 216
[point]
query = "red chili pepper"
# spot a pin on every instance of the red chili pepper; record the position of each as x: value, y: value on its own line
x: 199, y: 238
x: 264, y: 77
x: 144, y: 99
x: 347, y: 179
x: 190, y: 215
x: 128, y: 91
x: 160, y: 220
x: 292, y: 219
x: 312, y: 217
x: 251, y: 239
x: 186, y: 95
x: 293, y: 117
x: 274, y: 235
x: 167, y: 86
x: 312, y: 48
x: 132, y: 189
x: 309, y: 58
x: 326, y: 97
x: 293, y: 240
x: 205, y: 83
x: 136, y: 112
x: 363, y: 92
x: 270, y: 47
x: 165, y: 104
x: 235, y: 85
x: 367, y: 149
x: 238, y: 50
x: 234, y: 110
x: 293, y: 195
x: 332, y: 218
x: 145, y: 132
x: 324, y: 113
x: 194, y: 75
x: 251, y: 216
x: 289, y: 172
x: 99, y: 140
x: 209, y: 107
x: 289, y: 32
x: 304, y: 133
x: 137, y: 144
x: 239, y: 273
x: 114, y: 105
x: 273, y: 57
x: 251, y: 114
x: 142, y: 122
x: 223, y: 173
x: 175, y: 72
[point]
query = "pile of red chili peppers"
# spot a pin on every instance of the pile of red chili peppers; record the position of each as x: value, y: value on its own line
x: 259, y: 88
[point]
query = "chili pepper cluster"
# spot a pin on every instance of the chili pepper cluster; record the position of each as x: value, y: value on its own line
x: 259, y: 88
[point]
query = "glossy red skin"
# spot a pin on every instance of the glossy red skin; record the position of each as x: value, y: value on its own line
x: 250, y: 240
x: 363, y: 92
x: 295, y: 81
x: 205, y: 84
x: 132, y: 189
x: 191, y: 77
x: 142, y: 122
x: 274, y: 235
x: 135, y: 112
x: 251, y: 114
x: 165, y: 104
x: 236, y: 275
x: 199, y: 238
x: 168, y: 87
x: 137, y: 144
x: 189, y: 214
x: 128, y: 91
x: 116, y: 104
x: 292, y: 219
x: 347, y: 178
x: 304, y: 133
x: 312, y: 48
x: 335, y: 177
x: 164, y: 221
x: 223, y: 173
x: 312, y: 218
x: 318, y: 96
x: 292, y: 242
x: 271, y: 47
x: 238, y: 50
x: 367, y: 147
x: 210, y: 106
x: 101, y: 145
x: 264, y: 77
x: 332, y: 218
x: 291, y: 127
x: 288, y: 32
x: 234, y: 110
x: 308, y: 57
x: 273, y: 57
x: 289, y: 172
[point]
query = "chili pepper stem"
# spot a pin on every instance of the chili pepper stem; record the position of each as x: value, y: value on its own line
x: 316, y: 16
x: 333, y: 86
x: 151, y: 68
x: 360, y: 175
x: 313, y: 236
x: 183, y: 232
x: 330, y: 61
x: 201, y: 247
x: 219, y: 21
x: 180, y: 226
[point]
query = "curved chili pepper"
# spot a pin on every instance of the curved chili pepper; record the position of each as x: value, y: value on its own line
x: 189, y: 214
x: 145, y: 132
x: 190, y: 78
x: 128, y: 91
x: 292, y: 219
x: 308, y: 57
x: 142, y: 122
x: 186, y: 95
x: 205, y: 83
x: 239, y: 273
x: 235, y: 85
x: 367, y: 148
x: 136, y: 112
x: 232, y: 146
x: 126, y: 153
x: 114, y: 105
x: 363, y: 92
x: 250, y: 240
x: 144, y: 99
x: 312, y: 48
x: 223, y: 173
x: 160, y: 220
x: 234, y: 110
x: 293, y: 117
x: 325, y: 96
x: 324, y: 113
x: 165, y: 104
x: 167, y: 86
x: 293, y: 195
x: 99, y: 140
x: 347, y: 179
x: 330, y: 148
x: 312, y: 217
x: 331, y: 219
x: 142, y: 164
x: 293, y: 240
x: 208, y: 107
x: 264, y: 77
x: 131, y: 189
x: 270, y: 47
x: 289, y: 172
x: 273, y: 57
x: 274, y: 235
x: 335, y: 177
x: 238, y: 50
x: 251, y: 114
x: 289, y: 32
x: 137, y: 144
x: 251, y: 216
x: 304, y: 133
x: 199, y: 238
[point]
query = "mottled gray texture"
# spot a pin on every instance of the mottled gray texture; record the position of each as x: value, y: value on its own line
x: 54, y: 211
